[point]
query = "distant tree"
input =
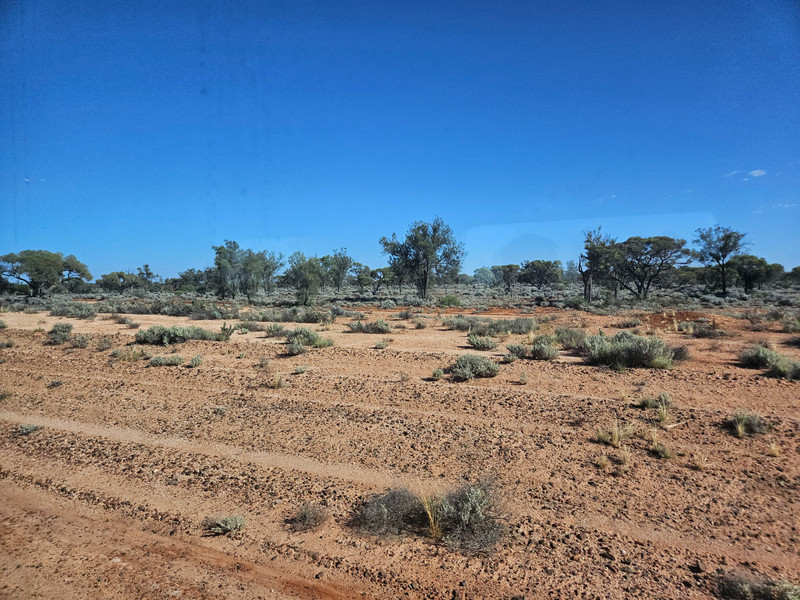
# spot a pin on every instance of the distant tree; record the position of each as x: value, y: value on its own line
x: 270, y: 265
x: 794, y: 275
x: 305, y: 275
x: 147, y: 279
x: 571, y: 274
x: 483, y: 276
x: 754, y: 271
x: 118, y: 281
x: 429, y: 251
x: 40, y: 270
x: 464, y: 279
x: 596, y: 260
x: 637, y: 264
x: 541, y: 272
x: 228, y: 263
x: 74, y: 273
x: 510, y: 277
x: 716, y: 246
x: 497, y: 274
x: 338, y: 266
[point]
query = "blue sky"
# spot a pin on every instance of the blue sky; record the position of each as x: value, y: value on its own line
x: 146, y: 132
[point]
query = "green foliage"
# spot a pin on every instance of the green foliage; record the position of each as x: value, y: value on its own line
x: 716, y: 246
x: 308, y: 517
x: 483, y: 326
x: 42, y: 271
x: 23, y: 430
x: 469, y: 366
x: 81, y: 341
x: 783, y: 368
x: 541, y: 272
x: 543, y: 350
x: 739, y: 586
x: 295, y: 348
x: 481, y: 343
x: 449, y: 301
x: 159, y: 335
x: 223, y: 525
x: 196, y: 361
x: 75, y: 310
x: 429, y: 251
x: 626, y: 350
x: 743, y: 422
x: 173, y: 360
x: 437, y: 374
x: 305, y: 275
x: 758, y: 357
x: 105, y: 343
x: 3, y: 324
x: 118, y: 281
x: 303, y: 336
x: 59, y: 334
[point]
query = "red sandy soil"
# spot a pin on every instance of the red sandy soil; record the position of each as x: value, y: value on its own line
x: 107, y: 499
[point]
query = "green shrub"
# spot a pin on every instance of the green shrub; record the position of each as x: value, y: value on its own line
x: 173, y: 360
x: 54, y: 384
x: 223, y: 525
x: 81, y: 341
x: 743, y: 422
x: 295, y: 348
x: 437, y: 374
x: 481, y: 343
x: 27, y: 429
x: 75, y: 310
x: 483, y: 326
x: 308, y: 517
x: 469, y: 366
x: 449, y: 301
x: 105, y: 343
x: 59, y: 334
x: 758, y: 357
x: 739, y: 586
x: 663, y: 399
x: 306, y: 337
x: 7, y: 343
x: 570, y: 339
x: 518, y: 350
x: 626, y: 350
x: 543, y: 350
x: 376, y: 327
x: 3, y: 324
x: 628, y: 323
x: 275, y: 330
x: 783, y: 368
x: 196, y: 361
x: 164, y: 336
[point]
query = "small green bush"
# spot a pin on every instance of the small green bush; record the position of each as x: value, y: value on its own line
x: 173, y: 360
x: 758, y: 357
x: 81, y: 341
x: 196, y: 361
x: 469, y: 366
x: 543, y: 350
x: 739, y: 586
x: 275, y: 330
x: 570, y: 339
x: 306, y: 337
x: 27, y: 429
x: 743, y: 422
x: 223, y: 525
x: 105, y: 343
x: 483, y: 326
x: 783, y: 368
x: 449, y: 301
x: 378, y: 326
x: 626, y: 350
x: 3, y: 324
x: 295, y: 349
x: 481, y: 343
x: 74, y: 310
x: 59, y: 334
x: 308, y: 517
x: 437, y: 374
x: 159, y: 335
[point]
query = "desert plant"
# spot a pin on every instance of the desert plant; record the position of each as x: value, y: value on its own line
x: 391, y: 513
x: 3, y: 324
x: 616, y: 434
x: 295, y: 348
x: 276, y: 382
x: 784, y: 368
x: 275, y: 330
x: 658, y: 449
x: 196, y: 361
x: 173, y: 360
x: 22, y: 430
x: 308, y: 517
x: 74, y: 310
x: 378, y: 326
x: 681, y: 353
x: 449, y: 301
x: 300, y: 369
x: 220, y: 410
x: 481, y: 343
x: 130, y: 354
x: 699, y: 461
x: 543, y: 350
x: 54, y: 384
x: 213, y: 526
x: 59, y: 334
x: 81, y: 341
x: 159, y: 335
x: 382, y: 345
x: 104, y: 344
x: 758, y: 357
x: 570, y: 339
x: 437, y: 374
x: 469, y: 366
x: 626, y: 350
x: 663, y: 399
x: 628, y: 323
x: 743, y: 422
x: 7, y: 343
x: 740, y: 586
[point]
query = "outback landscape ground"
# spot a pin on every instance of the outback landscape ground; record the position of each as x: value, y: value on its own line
x: 110, y: 467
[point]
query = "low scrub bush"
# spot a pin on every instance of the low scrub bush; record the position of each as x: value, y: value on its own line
x: 27, y: 429
x: 81, y: 341
x: 105, y: 343
x: 743, y: 422
x: 378, y: 326
x: 308, y: 517
x: 275, y: 330
x: 159, y: 335
x: 469, y: 366
x: 74, y: 310
x: 3, y: 324
x: 570, y: 339
x: 739, y: 586
x: 130, y: 354
x: 59, y: 334
x: 615, y: 435
x: 628, y: 323
x: 449, y: 301
x: 467, y: 518
x: 173, y: 360
x: 7, y: 343
x: 543, y: 350
x: 626, y: 350
x: 437, y: 374
x: 758, y: 357
x: 196, y: 361
x: 783, y: 368
x: 483, y: 326
x: 213, y: 526
x: 663, y: 399
x: 481, y: 343
x: 307, y: 337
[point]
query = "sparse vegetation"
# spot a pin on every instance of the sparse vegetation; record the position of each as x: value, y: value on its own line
x: 223, y: 525
x: 743, y: 422
x: 469, y: 366
x: 7, y: 343
x: 164, y: 336
x: 490, y: 327
x: 626, y: 350
x: 437, y: 374
x: 173, y: 360
x: 303, y: 336
x: 758, y: 357
x: 54, y: 384
x: 104, y: 343
x: 481, y: 343
x: 73, y: 310
x: 130, y: 354
x: 740, y: 586
x: 27, y: 429
x: 308, y: 517
x: 616, y: 434
x: 81, y: 341
x: 378, y: 326
x: 59, y: 334
x: 196, y: 361
x: 570, y: 339
x: 783, y: 368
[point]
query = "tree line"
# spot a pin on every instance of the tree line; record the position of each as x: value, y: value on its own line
x: 427, y: 255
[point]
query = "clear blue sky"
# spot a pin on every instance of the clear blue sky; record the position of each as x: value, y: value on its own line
x: 146, y: 132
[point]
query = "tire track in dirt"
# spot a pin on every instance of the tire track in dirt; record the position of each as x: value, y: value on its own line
x: 292, y: 462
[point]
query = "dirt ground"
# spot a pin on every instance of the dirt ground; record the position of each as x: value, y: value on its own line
x: 108, y: 497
